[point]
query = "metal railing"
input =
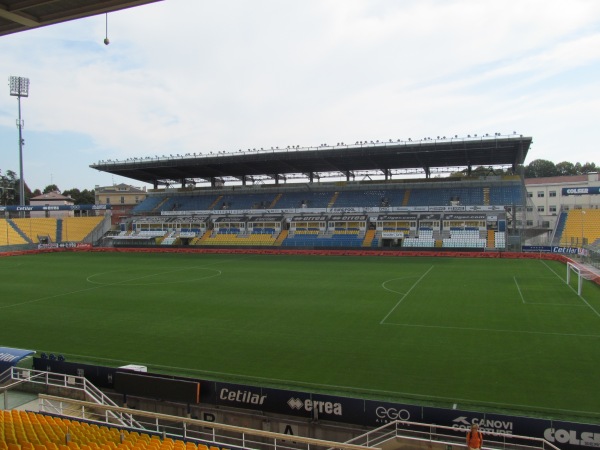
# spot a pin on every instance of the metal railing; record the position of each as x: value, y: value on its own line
x: 105, y: 411
x: 448, y: 436
x: 167, y: 426
x: 16, y: 376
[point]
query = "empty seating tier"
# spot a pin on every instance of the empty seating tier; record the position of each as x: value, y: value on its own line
x: 24, y: 430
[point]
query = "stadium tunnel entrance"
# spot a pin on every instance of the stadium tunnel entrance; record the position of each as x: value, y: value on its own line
x: 9, y: 357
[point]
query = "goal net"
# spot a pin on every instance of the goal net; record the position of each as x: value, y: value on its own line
x: 580, y: 273
x: 576, y: 270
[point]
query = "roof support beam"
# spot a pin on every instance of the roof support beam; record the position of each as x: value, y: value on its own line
x: 17, y: 6
x: 20, y: 17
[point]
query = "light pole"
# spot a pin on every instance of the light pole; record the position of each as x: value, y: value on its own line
x: 19, y: 87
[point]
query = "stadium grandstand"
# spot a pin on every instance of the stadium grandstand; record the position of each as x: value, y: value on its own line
x: 443, y: 194
x: 376, y: 195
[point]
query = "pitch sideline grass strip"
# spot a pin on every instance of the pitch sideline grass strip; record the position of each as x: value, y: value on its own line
x: 493, y: 330
x: 329, y: 387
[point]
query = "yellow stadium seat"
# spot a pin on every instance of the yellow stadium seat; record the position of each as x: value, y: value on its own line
x: 75, y: 229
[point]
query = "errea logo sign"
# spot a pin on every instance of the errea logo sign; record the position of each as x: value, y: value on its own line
x: 319, y: 406
x: 295, y: 403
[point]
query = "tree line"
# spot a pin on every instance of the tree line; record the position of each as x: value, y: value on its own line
x: 539, y: 168
x: 10, y: 187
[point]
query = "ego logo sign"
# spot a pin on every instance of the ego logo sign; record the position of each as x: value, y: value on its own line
x: 392, y: 413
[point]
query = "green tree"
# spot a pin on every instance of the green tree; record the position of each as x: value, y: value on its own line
x: 88, y: 197
x: 10, y: 189
x: 566, y: 168
x: 73, y: 193
x: 84, y: 197
x: 50, y: 188
x: 540, y: 168
x: 589, y: 167
x: 7, y: 189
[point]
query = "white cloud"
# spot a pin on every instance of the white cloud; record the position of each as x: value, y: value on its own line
x: 182, y: 76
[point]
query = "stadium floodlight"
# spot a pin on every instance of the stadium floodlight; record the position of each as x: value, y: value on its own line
x: 19, y: 87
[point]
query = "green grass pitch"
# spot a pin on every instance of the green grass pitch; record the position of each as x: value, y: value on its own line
x: 488, y: 334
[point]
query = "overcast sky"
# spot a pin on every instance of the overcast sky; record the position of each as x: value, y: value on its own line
x: 193, y: 76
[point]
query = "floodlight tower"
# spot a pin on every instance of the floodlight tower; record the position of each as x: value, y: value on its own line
x: 19, y: 87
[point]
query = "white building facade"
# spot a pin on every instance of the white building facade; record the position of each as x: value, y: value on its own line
x: 551, y: 195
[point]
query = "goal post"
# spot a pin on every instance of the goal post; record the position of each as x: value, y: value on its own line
x: 575, y: 269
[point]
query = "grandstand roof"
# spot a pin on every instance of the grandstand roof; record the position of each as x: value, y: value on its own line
x: 21, y: 15
x: 342, y: 159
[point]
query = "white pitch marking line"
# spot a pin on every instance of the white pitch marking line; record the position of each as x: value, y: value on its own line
x: 404, y: 295
x: 383, y: 285
x: 519, y: 289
